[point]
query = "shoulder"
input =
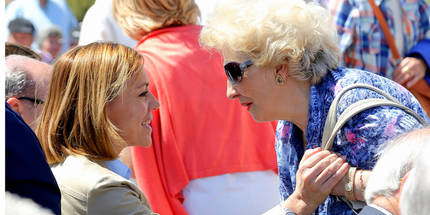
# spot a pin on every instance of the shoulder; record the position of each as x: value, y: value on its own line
x: 369, y: 129
x: 368, y: 210
x: 87, y: 185
x: 22, y: 145
x: 80, y: 175
x: 345, y: 77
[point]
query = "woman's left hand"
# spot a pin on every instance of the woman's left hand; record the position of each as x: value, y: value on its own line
x: 319, y: 171
x: 410, y: 71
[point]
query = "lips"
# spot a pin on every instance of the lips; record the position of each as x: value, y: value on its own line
x: 247, y: 105
x: 146, y: 122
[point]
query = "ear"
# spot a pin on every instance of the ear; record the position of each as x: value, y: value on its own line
x: 282, y: 70
x: 15, y: 104
x: 402, y: 184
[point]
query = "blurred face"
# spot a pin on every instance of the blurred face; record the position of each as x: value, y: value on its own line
x: 131, y: 111
x: 52, y: 45
x: 24, y: 39
x: 256, y: 92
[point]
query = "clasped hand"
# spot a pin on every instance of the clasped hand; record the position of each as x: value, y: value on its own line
x: 319, y: 172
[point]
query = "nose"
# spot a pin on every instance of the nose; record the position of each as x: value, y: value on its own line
x: 154, y: 104
x: 232, y: 92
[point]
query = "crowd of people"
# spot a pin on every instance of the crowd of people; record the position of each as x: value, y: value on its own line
x: 260, y: 107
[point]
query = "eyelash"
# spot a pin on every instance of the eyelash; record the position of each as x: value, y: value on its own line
x: 144, y: 94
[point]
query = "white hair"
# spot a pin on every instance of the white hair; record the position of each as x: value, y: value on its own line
x: 395, y: 161
x: 16, y: 80
x: 45, y: 33
x: 274, y: 32
x: 415, y: 197
x: 16, y: 205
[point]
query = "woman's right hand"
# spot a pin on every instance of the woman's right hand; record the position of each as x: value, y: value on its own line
x: 319, y: 171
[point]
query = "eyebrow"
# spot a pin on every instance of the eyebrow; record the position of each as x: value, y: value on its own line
x: 143, y: 85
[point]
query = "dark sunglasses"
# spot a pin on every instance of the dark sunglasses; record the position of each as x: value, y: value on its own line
x: 235, y: 70
x: 33, y: 100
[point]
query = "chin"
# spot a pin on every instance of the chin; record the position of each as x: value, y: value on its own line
x: 147, y: 142
x: 144, y: 142
x: 259, y: 118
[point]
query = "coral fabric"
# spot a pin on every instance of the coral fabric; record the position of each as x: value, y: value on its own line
x: 197, y: 132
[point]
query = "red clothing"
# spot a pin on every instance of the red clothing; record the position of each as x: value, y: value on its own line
x: 197, y: 132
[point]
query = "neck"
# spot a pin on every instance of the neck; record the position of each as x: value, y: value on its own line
x: 388, y: 203
x: 297, y: 103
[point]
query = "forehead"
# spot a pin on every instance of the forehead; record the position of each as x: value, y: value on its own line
x: 21, y: 34
x: 232, y: 56
x: 139, y: 79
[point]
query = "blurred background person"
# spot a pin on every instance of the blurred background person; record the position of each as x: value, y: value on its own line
x: 416, y: 189
x: 283, y: 64
x: 364, y: 45
x: 21, y: 32
x: 208, y: 155
x: 76, y: 33
x: 26, y: 82
x: 99, y: 25
x: 43, y: 14
x: 386, y: 185
x: 103, y: 106
x: 49, y: 43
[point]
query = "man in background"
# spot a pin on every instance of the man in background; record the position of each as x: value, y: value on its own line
x: 386, y: 184
x: 26, y: 81
x: 21, y: 32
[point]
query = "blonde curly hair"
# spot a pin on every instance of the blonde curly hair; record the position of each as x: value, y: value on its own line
x: 139, y: 17
x: 275, y: 32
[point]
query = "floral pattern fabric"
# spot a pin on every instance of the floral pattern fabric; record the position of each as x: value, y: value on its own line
x: 358, y: 141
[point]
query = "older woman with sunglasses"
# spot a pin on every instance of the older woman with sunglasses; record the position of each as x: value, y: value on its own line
x: 283, y: 64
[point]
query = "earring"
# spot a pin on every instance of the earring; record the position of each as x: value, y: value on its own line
x: 279, y: 79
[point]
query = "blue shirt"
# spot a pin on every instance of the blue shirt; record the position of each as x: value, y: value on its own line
x: 119, y: 168
x: 359, y: 140
x: 56, y: 12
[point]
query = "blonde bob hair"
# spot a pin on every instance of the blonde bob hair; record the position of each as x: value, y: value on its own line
x: 275, y: 32
x: 74, y: 120
x: 139, y: 17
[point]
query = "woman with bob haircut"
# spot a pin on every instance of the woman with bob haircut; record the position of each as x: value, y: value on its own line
x: 282, y: 62
x: 206, y: 150
x: 98, y: 103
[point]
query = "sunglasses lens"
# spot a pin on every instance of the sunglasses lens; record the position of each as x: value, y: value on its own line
x: 233, y: 72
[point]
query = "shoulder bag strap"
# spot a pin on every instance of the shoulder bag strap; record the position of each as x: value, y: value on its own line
x: 332, y: 125
x: 383, y: 23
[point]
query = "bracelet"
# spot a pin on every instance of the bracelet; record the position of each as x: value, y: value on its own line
x: 349, y: 184
x: 363, y: 186
x: 289, y: 212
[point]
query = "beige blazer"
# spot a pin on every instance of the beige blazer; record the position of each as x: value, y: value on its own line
x: 89, y: 187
